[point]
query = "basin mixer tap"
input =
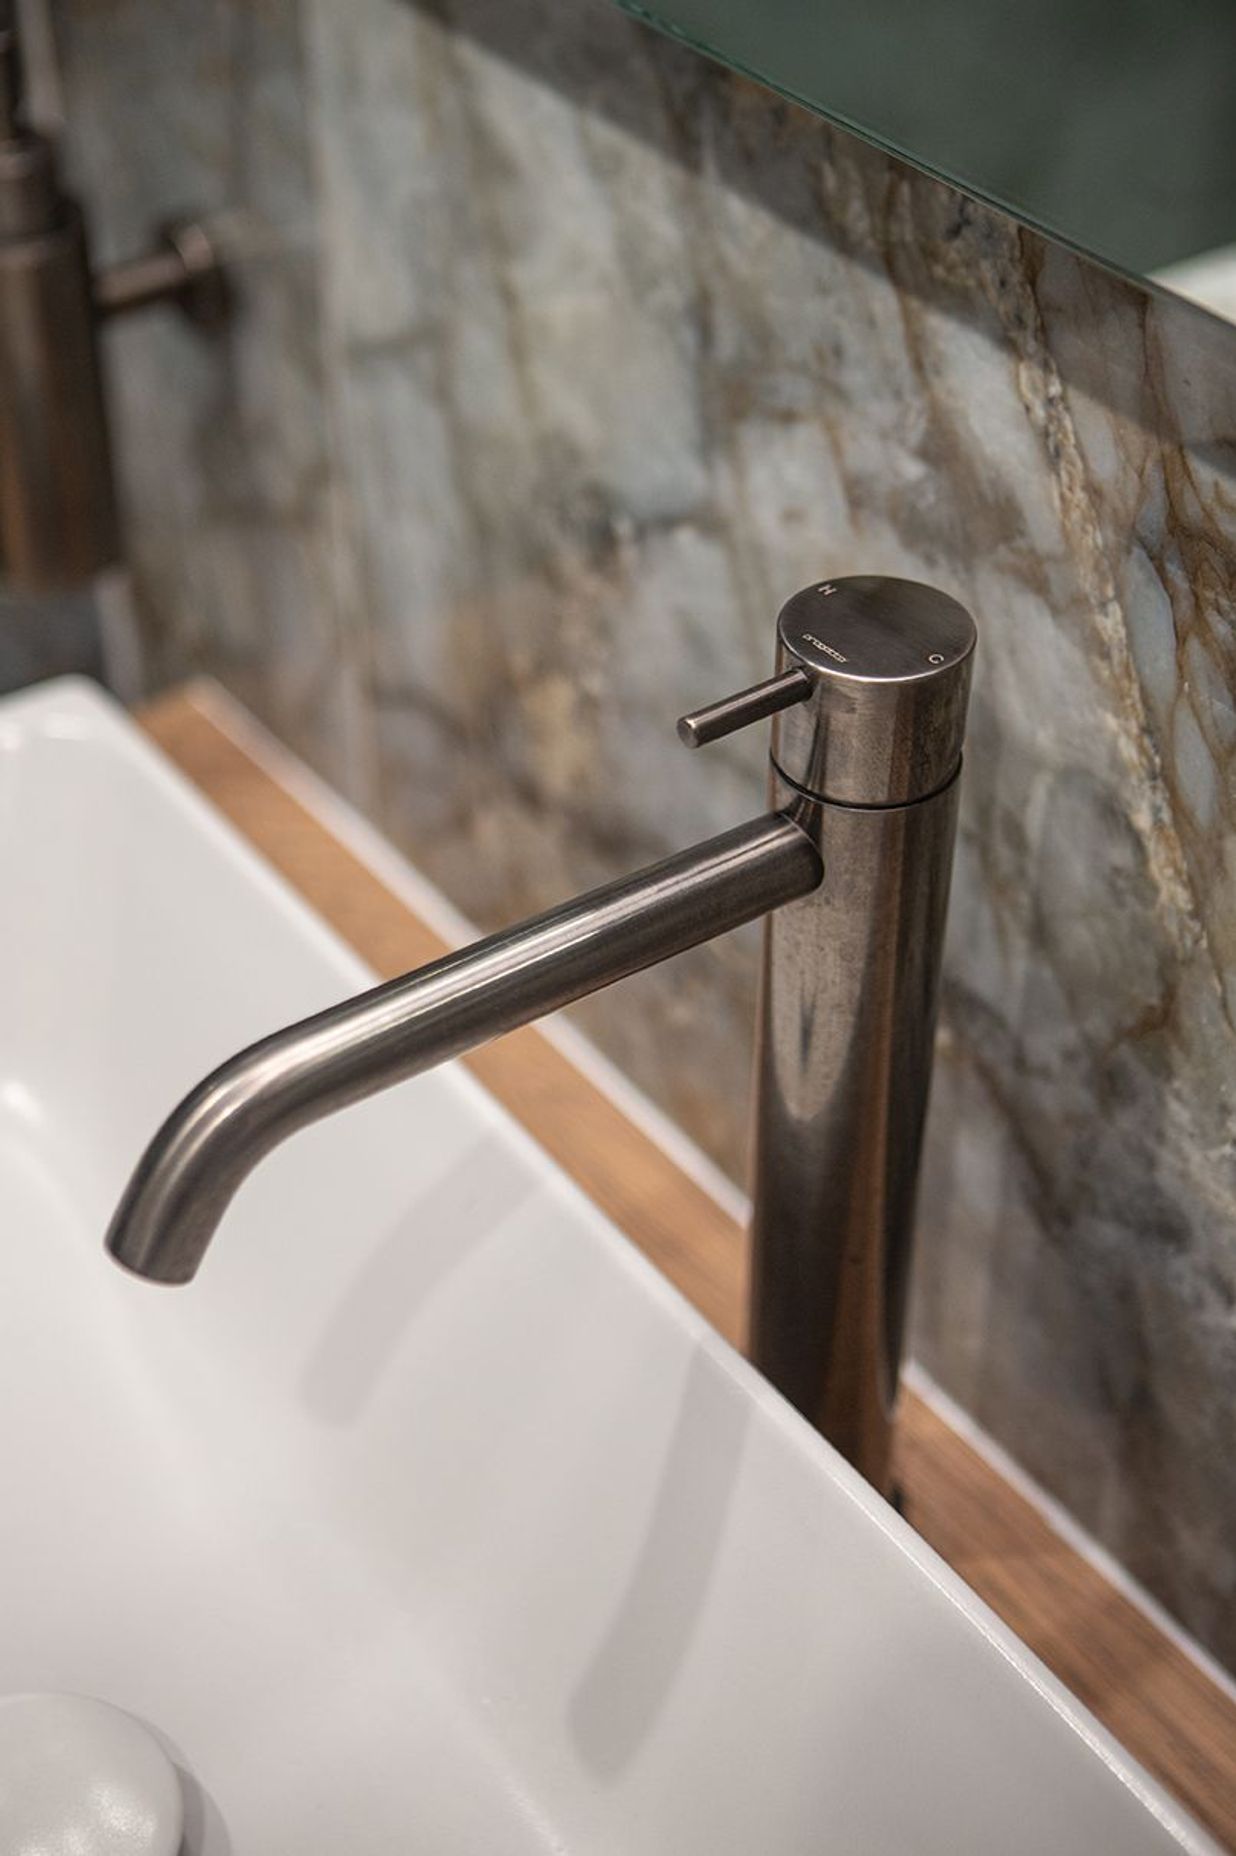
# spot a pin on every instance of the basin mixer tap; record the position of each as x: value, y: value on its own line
x: 850, y: 868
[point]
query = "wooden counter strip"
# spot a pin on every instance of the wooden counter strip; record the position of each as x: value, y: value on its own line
x: 1153, y: 1697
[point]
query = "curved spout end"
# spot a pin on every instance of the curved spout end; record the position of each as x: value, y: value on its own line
x: 184, y: 1182
x: 150, y: 1240
x: 130, y: 1244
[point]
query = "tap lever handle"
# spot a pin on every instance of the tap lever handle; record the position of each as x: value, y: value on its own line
x: 754, y: 705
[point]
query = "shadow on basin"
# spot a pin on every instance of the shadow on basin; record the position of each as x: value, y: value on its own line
x: 617, y: 1704
x: 205, y: 1832
x: 402, y: 1272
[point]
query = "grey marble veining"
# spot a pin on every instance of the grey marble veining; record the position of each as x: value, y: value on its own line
x: 563, y: 359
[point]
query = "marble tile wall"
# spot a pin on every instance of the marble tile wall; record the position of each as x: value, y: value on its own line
x: 562, y: 359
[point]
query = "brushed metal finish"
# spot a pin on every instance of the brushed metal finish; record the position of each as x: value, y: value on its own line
x: 29, y: 185
x: 58, y: 522
x: 58, y: 518
x: 843, y: 1068
x: 870, y: 702
x: 199, y: 1158
x: 57, y: 509
x: 10, y: 70
x: 701, y: 726
x: 890, y: 661
x: 183, y: 268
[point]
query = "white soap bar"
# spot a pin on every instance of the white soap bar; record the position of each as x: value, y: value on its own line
x: 81, y: 1778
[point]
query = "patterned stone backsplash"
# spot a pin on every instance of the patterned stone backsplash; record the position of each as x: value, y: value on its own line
x: 562, y: 359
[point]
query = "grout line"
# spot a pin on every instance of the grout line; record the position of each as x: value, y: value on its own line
x: 392, y: 869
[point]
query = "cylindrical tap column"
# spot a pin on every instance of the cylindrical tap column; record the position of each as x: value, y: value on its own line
x: 57, y: 511
x: 868, y: 765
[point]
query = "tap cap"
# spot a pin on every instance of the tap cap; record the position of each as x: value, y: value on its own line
x: 889, y: 666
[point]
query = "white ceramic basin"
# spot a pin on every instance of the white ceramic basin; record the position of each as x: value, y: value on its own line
x: 429, y: 1518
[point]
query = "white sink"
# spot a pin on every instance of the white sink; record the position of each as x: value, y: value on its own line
x: 429, y: 1518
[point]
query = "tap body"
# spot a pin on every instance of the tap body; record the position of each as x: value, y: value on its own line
x: 58, y: 521
x: 850, y: 869
x: 844, y: 1041
x: 59, y: 525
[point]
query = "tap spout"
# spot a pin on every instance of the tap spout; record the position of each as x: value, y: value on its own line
x: 207, y: 1147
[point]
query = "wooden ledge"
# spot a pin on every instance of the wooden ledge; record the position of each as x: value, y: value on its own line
x: 1141, y: 1685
